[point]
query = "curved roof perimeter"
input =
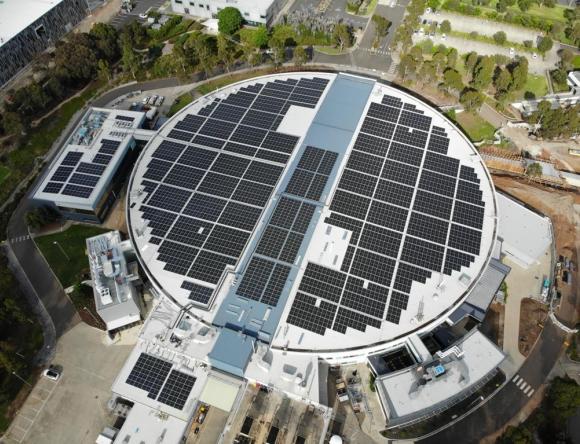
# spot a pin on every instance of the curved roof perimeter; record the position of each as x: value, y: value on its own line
x: 315, y: 211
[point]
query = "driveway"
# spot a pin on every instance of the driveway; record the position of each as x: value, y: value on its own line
x: 73, y: 409
x: 521, y: 283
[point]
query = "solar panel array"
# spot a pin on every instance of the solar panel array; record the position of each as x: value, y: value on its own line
x: 75, y: 178
x: 412, y: 210
x: 268, y: 269
x: 154, y: 375
x: 209, y: 180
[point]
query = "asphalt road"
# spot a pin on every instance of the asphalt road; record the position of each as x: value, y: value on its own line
x: 364, y: 56
x: 509, y: 400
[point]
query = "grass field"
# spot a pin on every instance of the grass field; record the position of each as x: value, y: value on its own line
x: 475, y: 127
x: 4, y: 173
x: 180, y: 102
x: 576, y: 62
x: 535, y: 87
x: 67, y: 268
x: 212, y: 85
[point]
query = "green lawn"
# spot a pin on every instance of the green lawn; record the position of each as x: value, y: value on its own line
x: 555, y: 13
x: 475, y: 127
x: 576, y: 62
x: 212, y: 85
x: 67, y: 268
x: 180, y: 102
x: 4, y: 173
x: 537, y: 85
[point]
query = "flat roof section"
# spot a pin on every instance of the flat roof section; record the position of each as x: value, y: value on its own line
x: 413, y: 392
x: 372, y: 218
x: 16, y: 16
x: 89, y: 158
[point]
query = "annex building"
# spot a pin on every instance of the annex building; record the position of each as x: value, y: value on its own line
x: 84, y: 179
x: 28, y: 27
x: 254, y: 12
x: 298, y: 219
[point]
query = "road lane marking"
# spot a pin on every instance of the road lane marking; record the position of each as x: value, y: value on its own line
x: 516, y: 378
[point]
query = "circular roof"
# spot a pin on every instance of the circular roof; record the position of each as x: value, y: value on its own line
x: 340, y: 209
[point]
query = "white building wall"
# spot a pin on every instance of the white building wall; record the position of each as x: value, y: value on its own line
x: 253, y: 11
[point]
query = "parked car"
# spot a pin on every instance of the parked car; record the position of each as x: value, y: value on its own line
x: 443, y: 36
x: 145, y: 100
x: 159, y: 100
x: 152, y: 100
x: 52, y: 373
x: 512, y: 51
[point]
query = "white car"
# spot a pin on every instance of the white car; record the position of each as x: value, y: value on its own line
x: 51, y: 373
x: 534, y: 55
x: 443, y: 36
x: 152, y: 100
x: 145, y: 100
x: 159, y: 101
x: 512, y: 51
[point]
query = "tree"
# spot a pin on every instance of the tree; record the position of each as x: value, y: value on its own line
x: 500, y: 37
x: 407, y: 66
x: 470, y: 61
x: 202, y: 47
x: 106, y: 40
x: 261, y: 36
x: 342, y: 36
x: 501, y: 6
x: 445, y: 26
x: 428, y: 72
x: 482, y: 73
x: 133, y: 34
x: 229, y: 20
x: 382, y: 26
x: 452, y: 80
x: 225, y: 51
x: 534, y: 170
x: 76, y: 59
x: 300, y: 56
x: 12, y: 123
x: 471, y: 99
x: 503, y: 80
x: 516, y: 435
x: 284, y: 33
x: 439, y: 60
x: 452, y: 57
x: 278, y: 51
x: 104, y: 70
x: 519, y: 72
x: 545, y: 44
x: 130, y: 60
x: 524, y: 5
x: 566, y: 58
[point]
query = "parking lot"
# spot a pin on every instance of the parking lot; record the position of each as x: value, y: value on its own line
x: 463, y: 46
x: 73, y: 409
x: 141, y: 6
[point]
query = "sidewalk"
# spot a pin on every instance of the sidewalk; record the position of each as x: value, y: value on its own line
x: 522, y: 283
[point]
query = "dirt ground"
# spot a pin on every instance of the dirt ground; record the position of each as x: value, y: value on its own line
x: 533, y: 315
x: 558, y: 151
x: 492, y: 326
x: 563, y: 208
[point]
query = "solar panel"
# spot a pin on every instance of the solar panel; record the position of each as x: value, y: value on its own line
x: 77, y: 191
x: 148, y: 374
x: 406, y: 195
x: 197, y: 293
x: 71, y: 158
x: 84, y: 179
x: 177, y: 389
x: 53, y: 187
x: 90, y: 168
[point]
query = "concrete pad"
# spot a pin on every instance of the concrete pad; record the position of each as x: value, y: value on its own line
x: 74, y: 410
